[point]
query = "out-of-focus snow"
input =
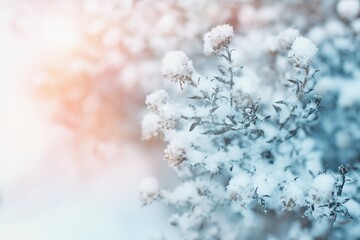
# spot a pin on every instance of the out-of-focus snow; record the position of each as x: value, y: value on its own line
x: 43, y: 192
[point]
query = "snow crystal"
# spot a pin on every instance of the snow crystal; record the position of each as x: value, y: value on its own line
x: 218, y: 38
x: 149, y: 190
x: 302, y: 51
x: 348, y: 9
x: 177, y: 67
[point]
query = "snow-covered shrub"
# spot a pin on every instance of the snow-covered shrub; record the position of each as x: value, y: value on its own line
x: 242, y: 161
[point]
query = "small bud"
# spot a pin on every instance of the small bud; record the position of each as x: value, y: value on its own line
x: 343, y: 170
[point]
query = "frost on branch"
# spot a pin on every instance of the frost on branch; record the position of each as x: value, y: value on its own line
x: 241, y: 159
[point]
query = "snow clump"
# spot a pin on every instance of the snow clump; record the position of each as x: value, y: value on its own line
x: 218, y: 38
x: 177, y: 67
x: 302, y: 52
x: 348, y: 9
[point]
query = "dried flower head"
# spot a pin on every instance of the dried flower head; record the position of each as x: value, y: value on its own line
x: 175, y: 155
x: 177, y: 67
x: 301, y: 53
x: 218, y: 38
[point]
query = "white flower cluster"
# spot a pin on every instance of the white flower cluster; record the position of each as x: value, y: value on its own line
x: 302, y: 52
x: 162, y: 116
x: 156, y: 100
x: 149, y: 190
x: 257, y: 161
x: 175, y: 154
x: 218, y: 38
x: 177, y: 67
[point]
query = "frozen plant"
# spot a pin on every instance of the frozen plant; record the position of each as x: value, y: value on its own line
x: 242, y: 161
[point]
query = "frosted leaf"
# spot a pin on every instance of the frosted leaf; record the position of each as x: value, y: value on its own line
x: 156, y: 99
x: 302, y: 51
x: 286, y: 38
x: 149, y: 190
x: 218, y: 38
x: 174, y: 154
x: 348, y: 9
x: 177, y: 67
x: 150, y: 126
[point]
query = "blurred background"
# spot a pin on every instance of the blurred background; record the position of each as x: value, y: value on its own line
x: 74, y: 75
